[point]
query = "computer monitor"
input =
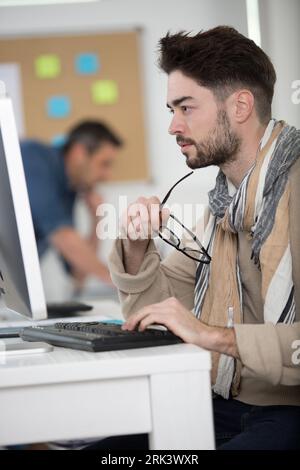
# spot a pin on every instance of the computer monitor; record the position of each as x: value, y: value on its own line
x: 21, y: 288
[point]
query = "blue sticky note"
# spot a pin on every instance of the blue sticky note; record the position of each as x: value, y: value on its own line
x: 58, y: 107
x: 58, y: 140
x: 114, y: 321
x: 87, y: 63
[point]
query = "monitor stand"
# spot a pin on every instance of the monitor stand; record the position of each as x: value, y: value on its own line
x: 16, y: 346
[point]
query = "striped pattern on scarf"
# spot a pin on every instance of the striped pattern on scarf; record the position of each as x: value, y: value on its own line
x: 259, y: 206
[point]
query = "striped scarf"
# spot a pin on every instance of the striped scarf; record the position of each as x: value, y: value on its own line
x: 260, y: 207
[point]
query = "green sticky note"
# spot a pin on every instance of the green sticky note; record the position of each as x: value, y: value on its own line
x: 47, y: 66
x: 105, y: 92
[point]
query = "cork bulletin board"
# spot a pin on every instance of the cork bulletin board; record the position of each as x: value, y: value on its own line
x: 67, y: 78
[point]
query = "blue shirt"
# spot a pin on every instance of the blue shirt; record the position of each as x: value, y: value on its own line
x: 50, y: 195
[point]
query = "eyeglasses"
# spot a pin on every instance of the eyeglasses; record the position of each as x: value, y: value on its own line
x: 169, y: 236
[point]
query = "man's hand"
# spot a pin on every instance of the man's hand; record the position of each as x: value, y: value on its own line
x: 79, y: 254
x: 172, y: 314
x: 138, y: 224
x: 142, y: 219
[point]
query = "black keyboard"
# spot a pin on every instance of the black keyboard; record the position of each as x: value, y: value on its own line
x: 98, y: 336
x: 55, y: 310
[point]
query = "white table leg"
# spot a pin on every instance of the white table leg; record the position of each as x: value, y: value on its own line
x: 181, y: 411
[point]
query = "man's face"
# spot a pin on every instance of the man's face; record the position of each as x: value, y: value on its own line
x: 200, y: 124
x: 96, y: 167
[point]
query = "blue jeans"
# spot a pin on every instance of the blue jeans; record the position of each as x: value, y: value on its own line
x: 238, y: 426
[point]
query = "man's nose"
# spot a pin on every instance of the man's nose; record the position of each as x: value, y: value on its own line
x: 177, y: 126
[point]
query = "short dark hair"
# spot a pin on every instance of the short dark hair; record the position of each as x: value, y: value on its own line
x: 91, y: 134
x: 222, y: 60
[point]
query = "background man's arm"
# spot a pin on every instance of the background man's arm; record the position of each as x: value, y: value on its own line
x: 79, y: 253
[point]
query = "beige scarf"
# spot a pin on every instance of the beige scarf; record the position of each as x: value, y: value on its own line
x: 221, y: 296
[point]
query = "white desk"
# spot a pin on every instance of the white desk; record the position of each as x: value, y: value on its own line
x: 68, y: 394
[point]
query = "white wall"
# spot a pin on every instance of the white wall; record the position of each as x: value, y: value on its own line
x: 156, y: 17
x: 280, y: 35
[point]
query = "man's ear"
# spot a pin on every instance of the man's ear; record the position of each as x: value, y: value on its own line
x: 242, y: 105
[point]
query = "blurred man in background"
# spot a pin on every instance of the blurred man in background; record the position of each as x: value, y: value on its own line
x: 55, y: 177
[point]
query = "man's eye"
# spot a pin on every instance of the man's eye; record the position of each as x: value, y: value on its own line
x: 185, y: 109
x: 171, y: 111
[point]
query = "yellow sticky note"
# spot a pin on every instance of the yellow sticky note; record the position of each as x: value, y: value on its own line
x: 47, y: 66
x: 105, y: 92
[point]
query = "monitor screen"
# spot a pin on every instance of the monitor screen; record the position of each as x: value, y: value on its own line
x: 21, y: 286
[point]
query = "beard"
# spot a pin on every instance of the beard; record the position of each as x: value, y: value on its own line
x: 220, y: 147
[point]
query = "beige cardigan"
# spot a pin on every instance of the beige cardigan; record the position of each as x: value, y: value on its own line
x: 269, y: 376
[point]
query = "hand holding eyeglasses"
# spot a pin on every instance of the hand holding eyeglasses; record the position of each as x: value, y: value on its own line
x: 148, y: 216
x: 143, y: 218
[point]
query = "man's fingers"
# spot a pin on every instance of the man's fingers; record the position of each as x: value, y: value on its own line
x: 143, y: 218
x: 151, y: 319
x: 136, y: 213
x: 131, y: 230
x: 153, y: 200
x: 155, y: 217
x: 151, y: 218
x: 136, y: 318
x: 164, y: 216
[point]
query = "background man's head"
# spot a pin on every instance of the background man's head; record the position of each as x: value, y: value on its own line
x: 218, y: 81
x: 90, y: 150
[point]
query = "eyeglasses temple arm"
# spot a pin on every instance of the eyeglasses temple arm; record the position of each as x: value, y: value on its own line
x: 174, y: 185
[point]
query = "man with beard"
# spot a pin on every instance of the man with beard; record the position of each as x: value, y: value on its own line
x: 246, y: 278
